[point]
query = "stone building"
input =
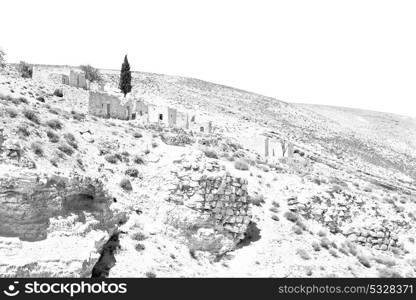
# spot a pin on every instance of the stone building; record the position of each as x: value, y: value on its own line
x: 272, y: 149
x: 77, y: 79
x: 65, y: 79
x: 140, y: 110
x: 205, y: 127
x: 110, y: 106
x: 162, y: 114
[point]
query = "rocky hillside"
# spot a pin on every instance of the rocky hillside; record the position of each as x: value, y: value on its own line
x: 85, y: 196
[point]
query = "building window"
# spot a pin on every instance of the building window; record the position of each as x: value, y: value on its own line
x: 201, y: 129
x: 161, y: 117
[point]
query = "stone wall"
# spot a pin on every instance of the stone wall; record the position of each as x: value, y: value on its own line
x: 378, y: 237
x: 49, y: 74
x: 162, y: 114
x: 222, y: 196
x: 107, y: 105
x: 77, y: 79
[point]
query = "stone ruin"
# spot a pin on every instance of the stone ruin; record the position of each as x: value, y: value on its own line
x: 221, y: 196
x: 379, y: 237
x: 115, y: 105
x: 271, y: 149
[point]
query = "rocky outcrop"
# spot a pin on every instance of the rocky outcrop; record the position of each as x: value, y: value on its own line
x: 51, y: 225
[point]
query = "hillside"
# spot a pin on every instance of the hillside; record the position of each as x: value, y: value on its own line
x: 86, y: 196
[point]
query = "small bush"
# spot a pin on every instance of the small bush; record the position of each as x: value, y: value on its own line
x: 150, y: 275
x: 139, y: 247
x: 325, y: 243
x: 132, y: 172
x: 37, y: 148
x: 303, y: 254
x: 11, y: 112
x: 58, y: 93
x: 65, y: 148
x: 241, y: 164
x: 210, y: 153
x: 137, y: 135
x: 297, y: 229
x: 257, y: 200
x: 54, y: 124
x: 53, y: 136
x: 125, y: 184
x: 113, y: 158
x: 291, y: 216
x: 316, y: 246
x: 275, y: 218
x: 23, y: 130
x: 70, y: 139
x: 138, y: 160
x: 40, y: 99
x: 31, y: 115
x: 138, y: 236
x: 333, y: 252
x: 78, y: 116
x: 25, y: 70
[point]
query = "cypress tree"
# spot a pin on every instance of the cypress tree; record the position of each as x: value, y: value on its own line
x: 125, y: 77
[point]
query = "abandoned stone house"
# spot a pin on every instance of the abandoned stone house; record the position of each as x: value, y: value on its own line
x: 272, y: 149
x: 77, y: 79
x: 109, y: 106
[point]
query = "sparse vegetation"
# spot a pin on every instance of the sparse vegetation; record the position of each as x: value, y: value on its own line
x: 211, y: 153
x: 54, y: 124
x: 125, y: 184
x: 78, y: 116
x: 91, y: 74
x: 37, y: 148
x: 53, y: 136
x: 31, y: 115
x: 303, y: 254
x: 137, y: 135
x: 23, y: 130
x: 113, y: 158
x: 12, y: 113
x: 291, y: 216
x: 65, y: 148
x: 132, y: 172
x: 25, y: 70
x: 241, y: 164
x: 140, y: 247
x: 316, y: 246
x: 138, y: 160
x: 363, y: 260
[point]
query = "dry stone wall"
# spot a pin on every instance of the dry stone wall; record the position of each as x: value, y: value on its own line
x: 223, y: 196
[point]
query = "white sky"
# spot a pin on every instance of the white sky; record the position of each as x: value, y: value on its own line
x: 354, y: 53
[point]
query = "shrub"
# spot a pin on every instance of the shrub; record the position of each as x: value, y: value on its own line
x: 11, y: 112
x: 316, y: 246
x: 138, y: 160
x: 137, y: 135
x: 257, y: 200
x: 291, y: 216
x: 53, y: 136
x: 40, y: 99
x: 154, y: 145
x: 23, y: 130
x: 303, y: 254
x: 25, y: 70
x: 113, y: 158
x: 297, y: 229
x: 37, y: 148
x: 78, y: 116
x: 31, y: 115
x: 150, y: 275
x: 91, y: 74
x: 58, y: 93
x: 333, y: 252
x: 125, y: 184
x: 132, y: 172
x: 210, y: 153
x: 325, y: 242
x: 241, y: 164
x: 275, y: 218
x: 54, y: 124
x: 70, y: 139
x: 139, y: 247
x: 65, y: 148
x: 138, y: 236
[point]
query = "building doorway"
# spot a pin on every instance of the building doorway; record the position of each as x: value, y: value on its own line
x: 108, y: 110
